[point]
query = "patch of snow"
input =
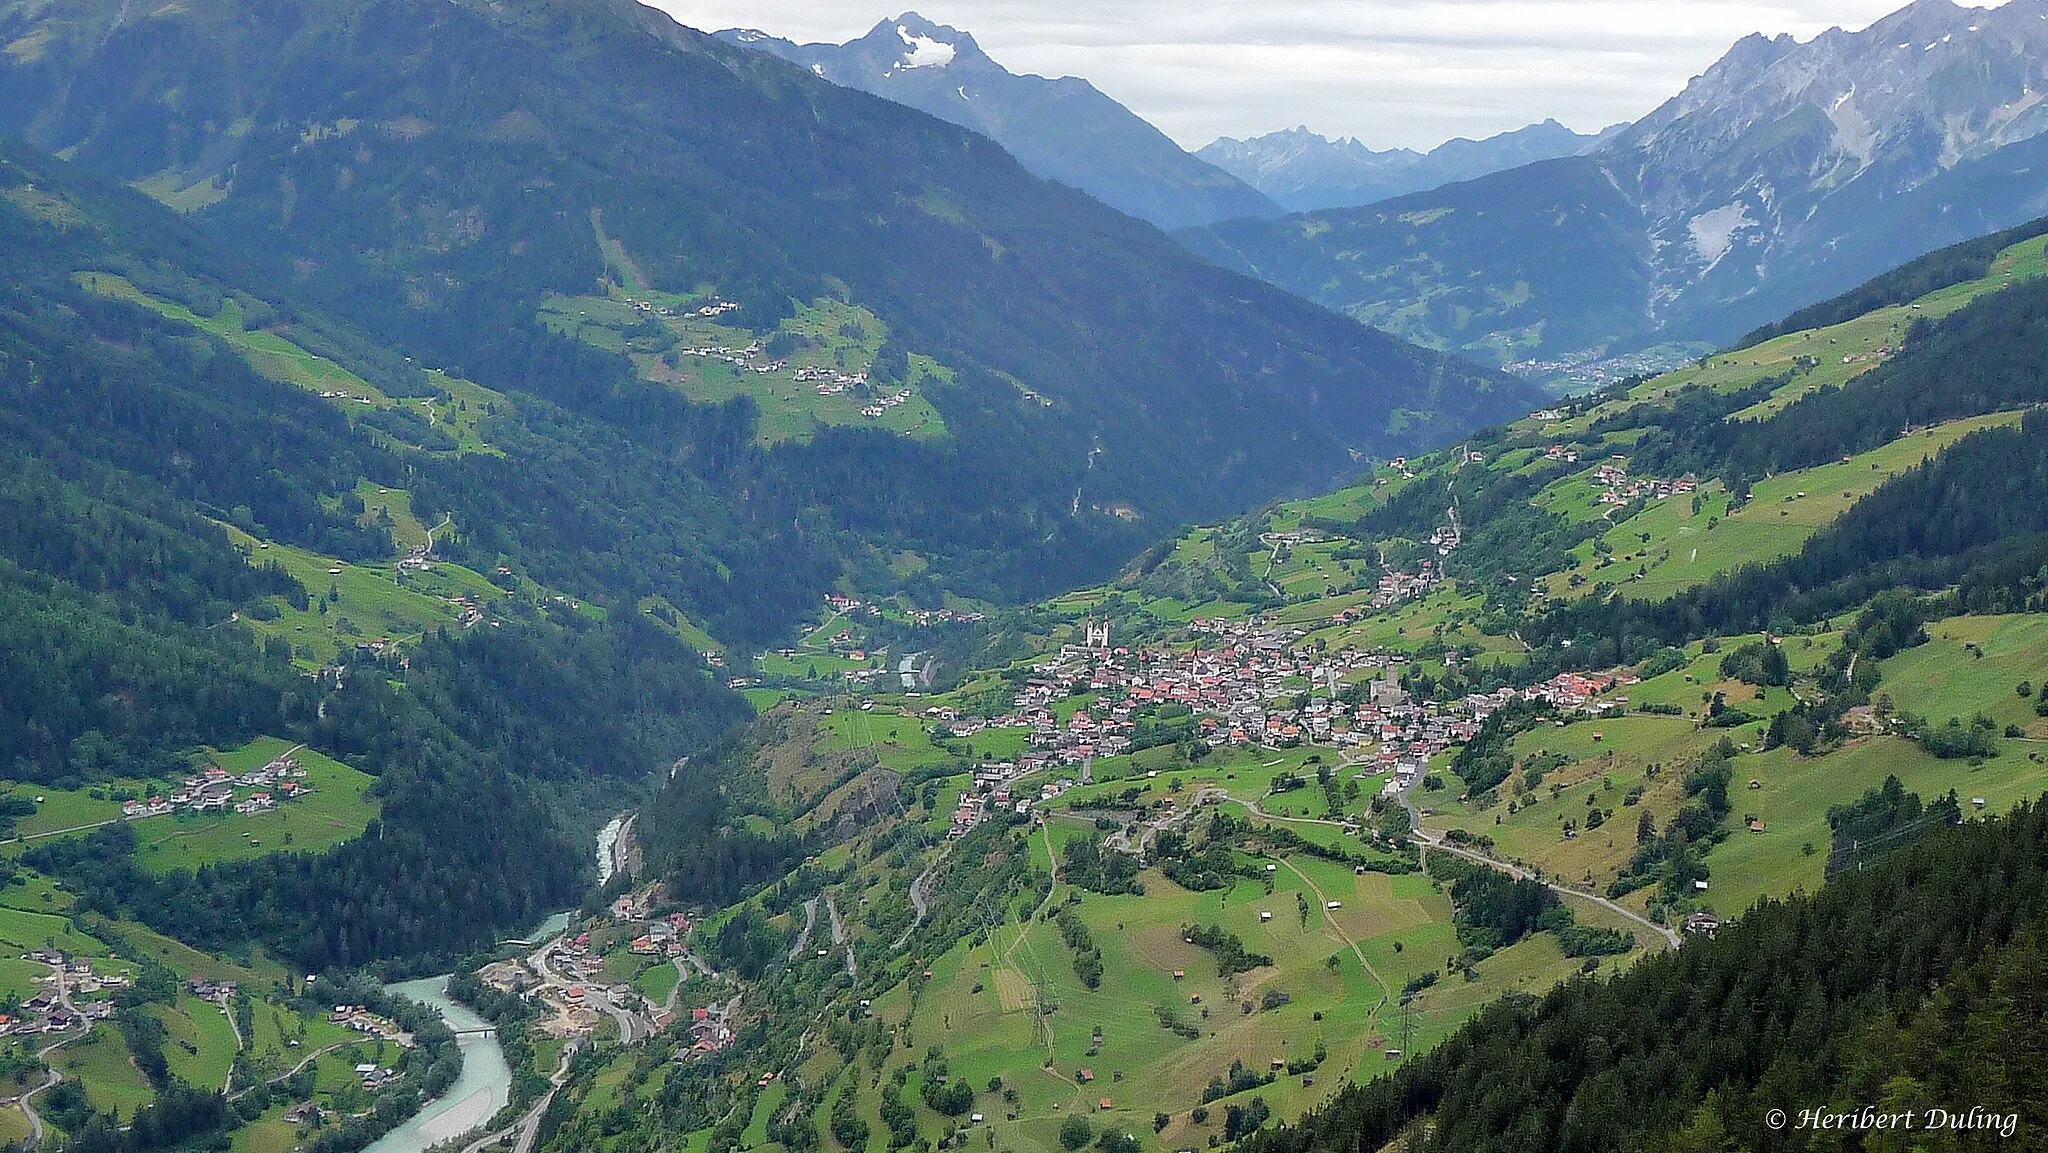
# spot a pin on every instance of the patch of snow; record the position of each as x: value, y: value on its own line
x: 963, y: 93
x: 818, y: 68
x: 1713, y: 233
x: 924, y: 52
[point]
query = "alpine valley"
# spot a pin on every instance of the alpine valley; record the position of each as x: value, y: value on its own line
x: 1028, y: 687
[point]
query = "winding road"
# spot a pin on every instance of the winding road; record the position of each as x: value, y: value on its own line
x: 1438, y: 842
x: 803, y: 939
x: 51, y: 1076
x: 528, y: 1125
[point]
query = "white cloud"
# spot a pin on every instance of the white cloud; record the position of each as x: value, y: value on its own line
x: 1391, y: 72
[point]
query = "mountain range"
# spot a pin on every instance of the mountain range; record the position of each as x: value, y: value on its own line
x: 1786, y: 172
x: 1304, y: 171
x: 1061, y: 129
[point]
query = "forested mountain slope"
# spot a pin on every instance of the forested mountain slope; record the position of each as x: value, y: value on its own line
x: 1821, y: 1002
x: 147, y: 464
x: 446, y: 173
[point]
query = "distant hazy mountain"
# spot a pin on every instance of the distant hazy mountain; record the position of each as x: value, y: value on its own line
x: 1786, y: 173
x: 1064, y: 130
x: 1303, y: 170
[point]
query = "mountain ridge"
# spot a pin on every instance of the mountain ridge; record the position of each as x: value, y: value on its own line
x: 1062, y: 128
x: 1784, y: 174
x: 1305, y: 171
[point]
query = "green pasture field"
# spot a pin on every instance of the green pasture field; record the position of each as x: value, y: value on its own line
x: 337, y: 809
x: 1687, y: 548
x: 406, y: 529
x: 462, y: 415
x: 903, y: 743
x: 188, y: 962
x: 273, y: 1028
x: 833, y: 334
x: 691, y: 633
x: 269, y: 354
x: 21, y: 979
x: 1945, y: 678
x: 199, y: 1042
x: 270, y: 1133
x: 35, y: 892
x: 1796, y: 792
x: 102, y: 1063
x: 982, y: 1003
x: 655, y: 981
x: 375, y: 601
x: 24, y: 930
x: 171, y: 189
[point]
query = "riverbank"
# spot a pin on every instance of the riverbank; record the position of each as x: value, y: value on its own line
x: 484, y: 1088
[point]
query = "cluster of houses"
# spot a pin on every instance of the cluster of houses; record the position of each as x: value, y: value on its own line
x: 741, y: 357
x: 469, y: 613
x: 571, y: 982
x: 419, y: 558
x: 831, y: 381
x: 715, y: 308
x: 51, y: 1009
x: 840, y: 605
x: 1395, y: 587
x: 1618, y: 488
x: 217, y: 992
x: 360, y: 1019
x: 214, y: 791
x: 1243, y: 684
x: 663, y: 937
x: 885, y: 403
x: 995, y: 790
x: 710, y: 1032
x: 1573, y: 690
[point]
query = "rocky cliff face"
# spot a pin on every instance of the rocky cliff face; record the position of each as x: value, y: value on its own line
x: 1784, y: 150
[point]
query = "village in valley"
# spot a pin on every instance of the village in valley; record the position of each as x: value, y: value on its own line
x: 622, y: 973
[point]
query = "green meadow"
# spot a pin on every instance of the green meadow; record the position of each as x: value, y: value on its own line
x: 199, y: 1041
x: 1669, y: 547
x: 104, y: 1065
x: 337, y: 809
x: 458, y: 409
x: 361, y: 602
x: 826, y: 334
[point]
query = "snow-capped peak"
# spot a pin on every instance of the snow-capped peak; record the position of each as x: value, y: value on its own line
x: 923, y: 51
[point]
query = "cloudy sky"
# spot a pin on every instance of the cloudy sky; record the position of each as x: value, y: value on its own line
x: 1390, y: 72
